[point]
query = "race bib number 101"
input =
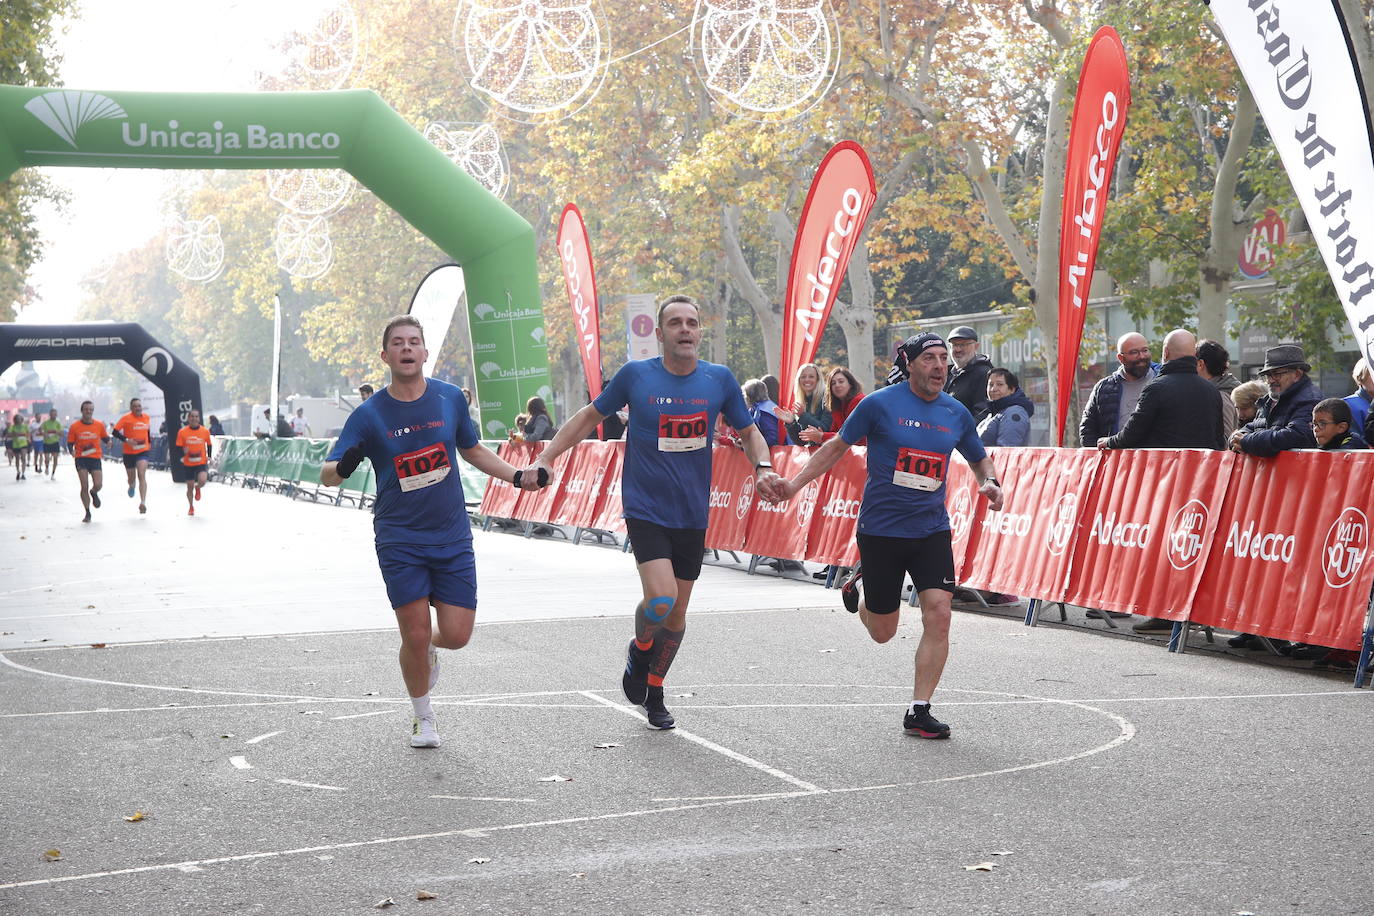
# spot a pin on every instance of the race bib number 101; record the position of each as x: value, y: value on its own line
x: 918, y: 470
x: 422, y: 468
x: 682, y: 433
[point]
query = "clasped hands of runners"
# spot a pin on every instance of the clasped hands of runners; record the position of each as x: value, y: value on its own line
x: 766, y: 481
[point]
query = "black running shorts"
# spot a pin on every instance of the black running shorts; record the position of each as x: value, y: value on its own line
x: 684, y: 546
x: 887, y: 561
x: 131, y: 461
x: 88, y: 464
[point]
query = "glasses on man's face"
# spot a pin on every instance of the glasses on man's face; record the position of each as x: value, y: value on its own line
x: 1139, y: 351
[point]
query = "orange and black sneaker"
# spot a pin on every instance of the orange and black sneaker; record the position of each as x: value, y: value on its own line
x: 919, y: 722
x: 849, y: 591
x: 658, y: 714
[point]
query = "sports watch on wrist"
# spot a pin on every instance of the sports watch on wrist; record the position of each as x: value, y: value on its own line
x: 764, y: 464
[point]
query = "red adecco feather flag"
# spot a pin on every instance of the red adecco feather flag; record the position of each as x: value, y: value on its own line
x: 837, y: 206
x: 575, y: 256
x: 1095, y: 131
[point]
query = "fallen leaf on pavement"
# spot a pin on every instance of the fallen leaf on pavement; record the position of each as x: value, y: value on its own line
x: 97, y: 645
x: 136, y: 816
x: 90, y: 607
x: 52, y: 855
x: 555, y: 778
x: 981, y: 866
x: 478, y: 861
x: 425, y: 895
x: 687, y: 694
x: 824, y: 651
x: 1007, y: 853
x: 383, y: 903
x: 579, y: 874
x: 602, y: 747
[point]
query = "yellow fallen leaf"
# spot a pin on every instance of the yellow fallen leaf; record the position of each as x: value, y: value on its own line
x: 136, y: 816
x: 425, y: 895
x: 981, y: 866
x: 52, y: 855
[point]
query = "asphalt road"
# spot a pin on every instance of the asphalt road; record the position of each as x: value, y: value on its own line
x: 245, y: 699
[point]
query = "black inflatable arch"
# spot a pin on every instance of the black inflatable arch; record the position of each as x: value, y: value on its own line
x: 180, y: 383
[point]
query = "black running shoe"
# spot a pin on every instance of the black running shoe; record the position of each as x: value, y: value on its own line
x: 659, y: 716
x: 849, y: 591
x: 635, y: 680
x: 95, y: 499
x: 923, y: 725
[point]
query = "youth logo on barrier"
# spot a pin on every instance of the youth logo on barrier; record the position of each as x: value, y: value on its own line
x: 1186, y: 531
x: 746, y: 498
x: 1346, y: 545
x: 806, y: 504
x: 1063, y: 514
x: 960, y: 515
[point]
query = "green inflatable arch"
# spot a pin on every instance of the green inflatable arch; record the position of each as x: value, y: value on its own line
x: 352, y: 130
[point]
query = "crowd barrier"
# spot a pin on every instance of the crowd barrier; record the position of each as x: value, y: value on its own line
x: 1277, y: 547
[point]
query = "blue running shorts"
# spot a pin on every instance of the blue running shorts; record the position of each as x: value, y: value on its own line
x: 446, y: 573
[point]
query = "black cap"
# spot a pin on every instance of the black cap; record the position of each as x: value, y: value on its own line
x: 963, y: 332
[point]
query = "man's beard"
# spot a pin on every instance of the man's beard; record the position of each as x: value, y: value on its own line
x: 1138, y: 372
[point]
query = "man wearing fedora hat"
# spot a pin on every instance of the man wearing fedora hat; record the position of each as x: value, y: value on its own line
x: 968, y: 377
x: 1283, y: 420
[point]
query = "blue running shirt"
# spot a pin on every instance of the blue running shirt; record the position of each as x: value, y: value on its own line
x: 909, y: 444
x: 411, y: 445
x: 667, y: 476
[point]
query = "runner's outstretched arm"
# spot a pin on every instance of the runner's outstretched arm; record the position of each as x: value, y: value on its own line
x: 571, y: 433
x: 822, y: 460
x: 756, y: 447
x: 987, y: 483
x: 493, y: 465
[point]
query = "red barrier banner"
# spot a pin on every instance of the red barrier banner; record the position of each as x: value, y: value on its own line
x: 575, y: 256
x: 832, y: 219
x: 499, y: 499
x: 732, y: 498
x: 1290, y: 559
x: 781, y: 529
x: 1095, y: 131
x: 1027, y: 548
x: 965, y: 509
x: 609, y: 507
x: 831, y: 539
x: 540, y: 505
x: 583, y: 477
x: 1145, y: 533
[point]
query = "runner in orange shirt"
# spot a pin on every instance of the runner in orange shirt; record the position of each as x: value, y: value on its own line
x: 132, y: 430
x: 194, y: 442
x: 86, y: 436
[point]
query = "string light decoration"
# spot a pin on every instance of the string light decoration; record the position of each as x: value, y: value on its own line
x: 310, y: 192
x: 766, y: 59
x: 322, y: 53
x: 476, y: 149
x: 195, y: 249
x: 303, y: 246
x: 533, y: 57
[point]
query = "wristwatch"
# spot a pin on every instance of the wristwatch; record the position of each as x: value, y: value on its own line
x: 993, y: 481
x: 764, y: 464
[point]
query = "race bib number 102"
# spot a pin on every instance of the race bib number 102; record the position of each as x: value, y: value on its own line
x: 918, y: 470
x: 422, y: 468
x: 682, y: 433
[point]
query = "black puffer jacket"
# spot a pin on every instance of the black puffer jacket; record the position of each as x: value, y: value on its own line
x: 1100, y: 416
x: 1180, y: 409
x: 969, y: 386
x: 1282, y: 424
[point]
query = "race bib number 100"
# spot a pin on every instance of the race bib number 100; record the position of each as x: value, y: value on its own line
x: 682, y: 433
x: 422, y: 468
x: 918, y: 470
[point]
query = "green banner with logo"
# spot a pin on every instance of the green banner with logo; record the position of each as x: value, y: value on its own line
x: 352, y: 130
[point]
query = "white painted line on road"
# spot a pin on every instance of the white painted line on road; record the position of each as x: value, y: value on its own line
x: 697, y: 798
x: 483, y: 798
x: 363, y: 715
x: 105, y: 709
x: 712, y: 746
x: 309, y: 785
x: 240, y: 763
x: 261, y: 738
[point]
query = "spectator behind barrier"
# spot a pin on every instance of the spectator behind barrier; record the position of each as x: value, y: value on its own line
x: 1114, y: 398
x: 1007, y: 423
x: 1246, y: 397
x: 763, y: 411
x: 1180, y: 409
x: 365, y: 392
x: 967, y: 382
x: 1362, y: 398
x: 1283, y: 418
x: 842, y: 392
x: 537, y: 427
x: 215, y: 428
x: 808, y: 405
x: 1213, y: 363
x: 1333, y: 426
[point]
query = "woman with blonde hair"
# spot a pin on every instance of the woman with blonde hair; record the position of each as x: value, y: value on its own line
x: 1246, y: 396
x: 808, y: 405
x: 842, y: 393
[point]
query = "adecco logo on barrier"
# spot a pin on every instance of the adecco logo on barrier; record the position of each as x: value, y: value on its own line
x: 1059, y: 532
x: 1186, y: 528
x: 746, y: 497
x: 1346, y: 544
x: 807, y: 504
x: 960, y: 515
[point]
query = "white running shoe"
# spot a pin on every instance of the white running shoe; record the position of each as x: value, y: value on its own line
x: 423, y: 733
x: 433, y: 667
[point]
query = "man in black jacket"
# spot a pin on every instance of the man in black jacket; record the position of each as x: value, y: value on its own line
x: 1114, y: 398
x: 968, y: 377
x: 1179, y: 409
x: 1284, y: 418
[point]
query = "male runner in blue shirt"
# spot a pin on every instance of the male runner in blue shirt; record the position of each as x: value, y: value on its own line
x: 666, y: 485
x: 912, y: 426
x: 412, y: 431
